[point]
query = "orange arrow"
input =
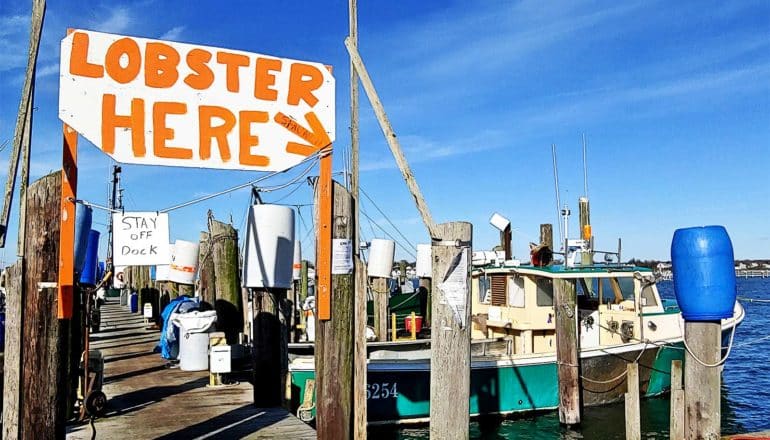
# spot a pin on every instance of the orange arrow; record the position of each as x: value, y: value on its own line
x: 317, y: 138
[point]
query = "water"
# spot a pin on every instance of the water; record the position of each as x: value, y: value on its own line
x: 745, y: 391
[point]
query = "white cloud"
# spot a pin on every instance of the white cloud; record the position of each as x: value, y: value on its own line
x: 172, y: 34
x: 14, y: 41
x: 118, y: 20
x: 47, y: 70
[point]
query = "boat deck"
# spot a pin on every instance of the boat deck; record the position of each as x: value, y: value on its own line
x: 148, y: 400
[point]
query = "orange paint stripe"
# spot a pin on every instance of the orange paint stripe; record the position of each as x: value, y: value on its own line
x: 323, y: 262
x: 69, y: 183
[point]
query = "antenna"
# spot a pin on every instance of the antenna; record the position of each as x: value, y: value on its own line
x: 556, y: 185
x: 585, y: 168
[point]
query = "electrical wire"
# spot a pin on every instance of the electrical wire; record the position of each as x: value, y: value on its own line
x: 390, y: 236
x: 386, y: 218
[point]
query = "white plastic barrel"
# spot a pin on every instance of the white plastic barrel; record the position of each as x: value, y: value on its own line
x: 381, y: 254
x: 424, y: 267
x: 269, y: 255
x: 194, y: 339
x: 184, y: 262
x: 297, y: 266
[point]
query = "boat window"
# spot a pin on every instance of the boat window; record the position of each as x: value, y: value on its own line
x: 587, y: 298
x: 614, y: 290
x: 516, y: 292
x: 544, y: 292
x: 483, y: 289
x: 648, y: 295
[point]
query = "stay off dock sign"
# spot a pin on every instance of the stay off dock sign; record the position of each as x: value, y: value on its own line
x: 157, y: 102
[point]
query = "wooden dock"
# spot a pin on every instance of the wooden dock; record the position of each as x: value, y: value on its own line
x: 148, y: 400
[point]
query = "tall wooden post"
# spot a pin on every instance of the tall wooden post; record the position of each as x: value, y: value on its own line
x: 451, y: 332
x: 402, y: 273
x: 567, y: 360
x: 360, y: 366
x: 702, y: 384
x: 546, y: 235
x: 206, y: 269
x: 334, y: 352
x: 39, y: 407
x: 303, y: 284
x: 224, y: 248
x: 14, y: 323
x: 381, y: 297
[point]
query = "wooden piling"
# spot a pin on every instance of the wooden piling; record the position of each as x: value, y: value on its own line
x: 42, y: 351
x: 206, y: 270
x: 334, y: 348
x: 224, y: 249
x: 546, y: 235
x: 567, y: 360
x: 270, y: 348
x: 633, y: 424
x: 676, y: 430
x: 451, y: 332
x: 702, y: 384
x: 381, y: 296
x: 360, y: 366
x: 14, y: 322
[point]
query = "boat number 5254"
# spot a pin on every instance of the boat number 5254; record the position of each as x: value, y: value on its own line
x: 382, y: 390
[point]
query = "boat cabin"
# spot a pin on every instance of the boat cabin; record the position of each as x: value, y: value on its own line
x: 517, y: 303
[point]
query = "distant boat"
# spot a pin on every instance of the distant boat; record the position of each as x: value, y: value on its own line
x: 621, y: 319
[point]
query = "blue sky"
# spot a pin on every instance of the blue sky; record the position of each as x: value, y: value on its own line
x: 673, y: 97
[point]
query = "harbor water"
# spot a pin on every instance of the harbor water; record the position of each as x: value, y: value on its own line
x: 745, y: 391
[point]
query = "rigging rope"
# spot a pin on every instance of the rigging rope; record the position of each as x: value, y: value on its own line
x: 386, y: 218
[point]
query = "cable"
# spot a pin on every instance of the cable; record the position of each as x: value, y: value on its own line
x: 93, y: 205
x: 389, y: 236
x: 314, y: 156
x: 706, y: 364
x: 386, y: 218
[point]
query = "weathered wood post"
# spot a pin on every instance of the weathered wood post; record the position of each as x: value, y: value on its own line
x: 633, y: 424
x: 702, y: 384
x: 451, y: 331
x: 36, y: 384
x: 303, y: 284
x: 676, y: 428
x: 206, y: 269
x: 224, y: 248
x: 546, y: 235
x: 334, y: 353
x: 380, y: 303
x: 567, y: 359
x: 270, y: 353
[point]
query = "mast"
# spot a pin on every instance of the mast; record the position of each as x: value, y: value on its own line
x: 113, y: 206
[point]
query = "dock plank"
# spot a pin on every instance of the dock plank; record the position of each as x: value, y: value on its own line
x: 148, y: 400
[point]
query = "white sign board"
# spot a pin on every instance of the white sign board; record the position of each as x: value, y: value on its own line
x: 156, y: 102
x: 455, y: 286
x: 140, y: 239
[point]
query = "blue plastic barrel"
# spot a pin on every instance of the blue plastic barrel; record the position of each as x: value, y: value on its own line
x: 134, y: 303
x: 704, y: 273
x: 83, y: 217
x: 153, y: 273
x: 88, y: 275
x: 100, y: 270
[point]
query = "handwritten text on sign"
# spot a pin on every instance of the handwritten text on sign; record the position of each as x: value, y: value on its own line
x: 140, y: 239
x: 166, y: 103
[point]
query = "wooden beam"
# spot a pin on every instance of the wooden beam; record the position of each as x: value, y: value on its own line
x: 546, y: 235
x: 26, y: 146
x: 334, y: 347
x: 14, y: 322
x: 451, y: 332
x: 23, y: 118
x: 206, y: 269
x: 390, y: 136
x: 633, y: 424
x: 360, y: 365
x: 565, y: 306
x: 676, y: 428
x: 702, y: 384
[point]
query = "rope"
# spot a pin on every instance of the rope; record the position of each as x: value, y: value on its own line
x: 706, y: 364
x: 389, y: 235
x: 754, y: 300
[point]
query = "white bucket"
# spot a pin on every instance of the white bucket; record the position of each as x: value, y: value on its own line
x: 297, y: 266
x: 424, y: 267
x: 194, y: 339
x: 184, y: 262
x: 269, y: 255
x: 381, y: 254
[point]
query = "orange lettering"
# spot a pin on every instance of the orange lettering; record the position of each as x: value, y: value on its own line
x: 207, y: 131
x: 129, y: 48
x: 301, y: 88
x: 248, y: 140
x: 134, y: 121
x: 161, y: 61
x: 203, y: 77
x: 79, y: 64
x: 161, y: 133
x: 233, y: 62
x: 264, y: 78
